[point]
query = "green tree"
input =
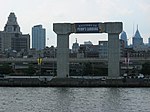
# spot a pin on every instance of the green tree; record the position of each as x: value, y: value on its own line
x: 87, y: 69
x: 6, y: 69
x: 30, y: 70
x: 146, y: 68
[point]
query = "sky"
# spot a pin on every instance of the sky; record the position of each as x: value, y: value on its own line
x: 47, y: 12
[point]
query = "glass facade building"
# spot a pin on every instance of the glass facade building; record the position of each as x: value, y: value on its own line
x: 38, y: 37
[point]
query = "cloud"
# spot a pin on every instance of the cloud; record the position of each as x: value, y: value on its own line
x: 144, y: 6
x: 46, y: 12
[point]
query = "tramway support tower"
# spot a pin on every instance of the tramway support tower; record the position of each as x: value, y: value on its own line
x: 63, y: 30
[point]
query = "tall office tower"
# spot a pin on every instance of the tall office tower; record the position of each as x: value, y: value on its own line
x: 38, y: 37
x: 137, y: 40
x: 123, y: 37
x: 12, y: 38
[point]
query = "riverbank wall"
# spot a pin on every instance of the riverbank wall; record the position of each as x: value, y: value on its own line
x: 73, y: 82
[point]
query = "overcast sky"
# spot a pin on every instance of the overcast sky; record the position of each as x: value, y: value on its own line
x: 47, y: 12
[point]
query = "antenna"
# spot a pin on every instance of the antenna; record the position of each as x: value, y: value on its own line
x: 76, y: 40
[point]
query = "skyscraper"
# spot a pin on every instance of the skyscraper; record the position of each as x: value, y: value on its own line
x: 123, y: 37
x: 138, y: 44
x: 137, y: 39
x: 38, y: 37
x: 12, y: 38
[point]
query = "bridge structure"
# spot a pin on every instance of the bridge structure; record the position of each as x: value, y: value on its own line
x: 63, y: 30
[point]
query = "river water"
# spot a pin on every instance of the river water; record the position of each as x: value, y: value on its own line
x: 74, y: 99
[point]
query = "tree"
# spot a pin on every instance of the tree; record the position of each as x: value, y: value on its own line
x: 146, y: 69
x: 6, y: 69
x: 87, y: 69
x: 30, y: 70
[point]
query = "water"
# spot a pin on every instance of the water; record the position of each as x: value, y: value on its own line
x: 74, y: 99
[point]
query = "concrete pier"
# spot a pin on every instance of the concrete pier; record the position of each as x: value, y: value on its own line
x: 113, y: 56
x: 63, y: 30
x: 113, y: 29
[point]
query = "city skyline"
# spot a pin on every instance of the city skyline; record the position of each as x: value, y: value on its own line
x: 30, y: 13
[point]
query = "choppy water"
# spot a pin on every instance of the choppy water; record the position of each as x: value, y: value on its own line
x: 74, y: 99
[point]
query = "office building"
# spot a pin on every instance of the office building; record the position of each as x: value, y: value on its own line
x: 137, y: 41
x: 38, y: 37
x: 12, y: 38
x: 75, y: 47
x: 123, y: 37
x: 103, y: 48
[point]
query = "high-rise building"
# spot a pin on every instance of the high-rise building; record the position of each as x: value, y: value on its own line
x: 12, y: 38
x: 123, y: 37
x: 137, y: 39
x: 38, y: 37
x: 103, y: 48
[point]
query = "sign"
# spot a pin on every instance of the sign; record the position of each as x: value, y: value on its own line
x: 87, y: 27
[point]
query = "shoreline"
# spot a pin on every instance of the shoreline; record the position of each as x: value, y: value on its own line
x: 73, y: 82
